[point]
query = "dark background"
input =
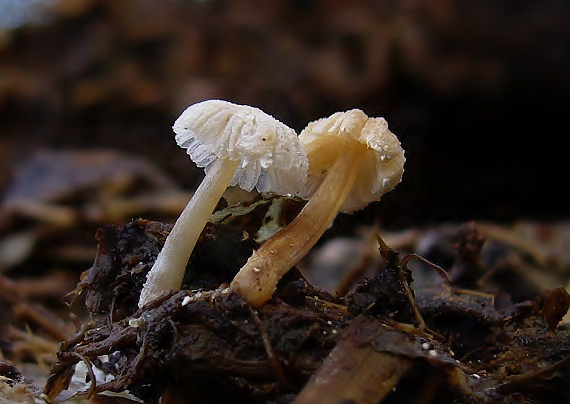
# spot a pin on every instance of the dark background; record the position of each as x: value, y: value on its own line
x: 476, y: 91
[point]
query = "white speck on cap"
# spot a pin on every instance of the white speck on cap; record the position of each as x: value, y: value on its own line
x: 383, y: 164
x: 271, y: 156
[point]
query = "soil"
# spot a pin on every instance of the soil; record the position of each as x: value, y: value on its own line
x: 302, y: 345
x: 451, y: 289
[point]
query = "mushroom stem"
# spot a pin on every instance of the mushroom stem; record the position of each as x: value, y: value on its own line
x: 257, y: 279
x: 168, y: 270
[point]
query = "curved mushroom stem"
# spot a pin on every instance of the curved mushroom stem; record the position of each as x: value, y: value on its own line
x: 168, y: 270
x: 257, y: 279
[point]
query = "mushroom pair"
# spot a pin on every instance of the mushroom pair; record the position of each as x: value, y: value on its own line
x: 353, y: 160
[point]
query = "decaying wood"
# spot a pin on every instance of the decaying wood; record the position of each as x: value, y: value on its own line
x: 355, y: 371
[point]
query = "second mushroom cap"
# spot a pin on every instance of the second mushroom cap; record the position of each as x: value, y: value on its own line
x: 382, y: 167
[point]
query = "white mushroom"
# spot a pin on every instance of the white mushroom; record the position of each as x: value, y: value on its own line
x: 353, y: 160
x: 236, y: 144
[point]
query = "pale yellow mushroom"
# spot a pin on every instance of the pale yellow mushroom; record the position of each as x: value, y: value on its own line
x: 353, y: 160
x: 236, y: 145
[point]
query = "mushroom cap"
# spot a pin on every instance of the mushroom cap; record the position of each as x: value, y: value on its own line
x: 271, y: 156
x: 382, y: 165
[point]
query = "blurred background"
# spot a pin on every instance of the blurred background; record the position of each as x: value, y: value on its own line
x: 476, y: 91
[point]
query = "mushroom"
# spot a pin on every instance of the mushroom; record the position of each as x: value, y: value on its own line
x: 235, y: 144
x: 353, y: 160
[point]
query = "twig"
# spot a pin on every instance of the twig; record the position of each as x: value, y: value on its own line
x: 534, y: 248
x: 273, y: 360
x: 27, y: 343
x: 355, y: 372
x: 517, y: 382
x: 26, y: 310
x: 442, y: 272
x: 392, y: 259
x: 333, y: 311
x: 90, y: 372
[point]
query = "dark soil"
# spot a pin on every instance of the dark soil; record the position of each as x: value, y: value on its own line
x: 476, y: 92
x: 209, y: 345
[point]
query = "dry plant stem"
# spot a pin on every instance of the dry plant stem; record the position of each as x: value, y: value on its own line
x: 421, y: 324
x: 536, y: 249
x: 515, y: 382
x: 354, y: 372
x: 167, y: 272
x: 271, y: 356
x: 373, y: 376
x: 28, y: 311
x: 257, y: 279
x: 442, y: 272
x: 24, y: 343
